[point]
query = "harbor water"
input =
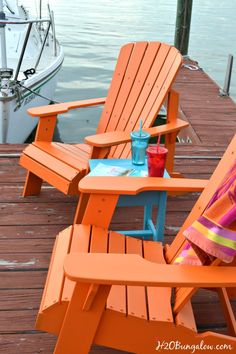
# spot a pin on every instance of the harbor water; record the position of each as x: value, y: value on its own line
x: 92, y: 31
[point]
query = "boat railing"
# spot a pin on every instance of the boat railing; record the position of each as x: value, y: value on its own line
x: 30, y: 22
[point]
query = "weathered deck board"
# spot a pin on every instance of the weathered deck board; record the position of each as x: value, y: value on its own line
x: 28, y: 226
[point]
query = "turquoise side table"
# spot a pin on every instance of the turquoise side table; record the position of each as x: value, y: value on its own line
x: 147, y: 199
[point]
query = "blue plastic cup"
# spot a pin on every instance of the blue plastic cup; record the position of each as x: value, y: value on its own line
x: 139, y: 144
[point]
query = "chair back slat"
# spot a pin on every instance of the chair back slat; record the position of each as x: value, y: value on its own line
x: 154, y: 100
x: 150, y: 96
x: 118, y: 93
x: 141, y: 81
x: 133, y: 68
x: 117, y: 79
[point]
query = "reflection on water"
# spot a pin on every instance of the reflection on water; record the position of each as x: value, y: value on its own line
x: 92, y: 31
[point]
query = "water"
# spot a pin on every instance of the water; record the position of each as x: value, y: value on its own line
x: 92, y: 31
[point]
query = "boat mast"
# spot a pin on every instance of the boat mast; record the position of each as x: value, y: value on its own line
x: 40, y: 9
x: 3, y: 38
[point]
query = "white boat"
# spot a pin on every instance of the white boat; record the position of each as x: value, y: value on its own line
x: 30, y: 59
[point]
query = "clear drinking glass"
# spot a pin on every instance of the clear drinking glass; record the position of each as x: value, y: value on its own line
x: 139, y: 144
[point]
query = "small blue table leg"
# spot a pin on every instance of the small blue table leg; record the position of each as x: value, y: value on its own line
x: 161, y: 216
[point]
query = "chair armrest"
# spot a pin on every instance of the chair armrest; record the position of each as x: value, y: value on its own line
x: 120, y: 137
x: 131, y: 269
x: 52, y: 110
x: 134, y: 185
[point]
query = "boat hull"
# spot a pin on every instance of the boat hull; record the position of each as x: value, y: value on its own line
x: 15, y: 124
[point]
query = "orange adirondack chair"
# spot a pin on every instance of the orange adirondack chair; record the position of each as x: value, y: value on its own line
x: 141, y: 82
x: 123, y: 299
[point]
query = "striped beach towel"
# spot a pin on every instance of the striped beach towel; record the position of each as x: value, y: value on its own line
x: 213, y: 235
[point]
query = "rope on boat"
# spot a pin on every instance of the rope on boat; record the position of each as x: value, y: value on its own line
x: 37, y: 94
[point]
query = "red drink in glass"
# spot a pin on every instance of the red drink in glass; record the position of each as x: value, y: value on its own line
x: 156, y: 159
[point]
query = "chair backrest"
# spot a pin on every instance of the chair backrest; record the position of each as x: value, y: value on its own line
x: 141, y: 81
x: 184, y: 294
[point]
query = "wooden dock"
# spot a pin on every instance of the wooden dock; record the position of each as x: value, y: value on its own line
x: 28, y: 226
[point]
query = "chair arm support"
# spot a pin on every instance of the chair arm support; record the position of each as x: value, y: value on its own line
x: 134, y: 185
x: 131, y: 269
x: 120, y: 137
x: 52, y: 110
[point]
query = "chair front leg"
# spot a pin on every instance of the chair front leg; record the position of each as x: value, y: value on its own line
x: 82, y: 319
x: 32, y: 185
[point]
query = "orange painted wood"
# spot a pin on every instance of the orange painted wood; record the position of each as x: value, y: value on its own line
x: 67, y: 156
x: 151, y: 90
x: 117, y: 297
x: 172, y: 106
x: 131, y: 269
x: 136, y: 295
x: 171, y: 64
x: 170, y: 141
x: 228, y: 311
x: 53, y: 289
x: 80, y: 241
x: 52, y: 110
x: 92, y: 293
x: 32, y: 185
x: 83, y: 150
x: 119, y: 137
x: 70, y: 339
x: 126, y: 122
x: 158, y: 299
x: 132, y: 70
x: 117, y: 79
x: 144, y: 69
x: 44, y: 173
x: 59, y: 167
x: 99, y: 240
x: 142, y: 80
x: 185, y: 317
x: 131, y: 186
x: 99, y: 210
x: 81, y: 207
x: 45, y: 128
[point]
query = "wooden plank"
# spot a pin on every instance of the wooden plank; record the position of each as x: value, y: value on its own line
x: 60, y: 153
x: 127, y: 83
x: 136, y: 295
x: 83, y: 150
x: 134, y: 97
x: 117, y: 297
x: 158, y: 299
x: 55, y: 279
x: 21, y: 280
x: 19, y: 299
x: 31, y: 343
x: 118, y: 76
x: 61, y: 168
x: 155, y: 90
x: 52, y: 177
x: 99, y: 240
x: 12, y: 193
x: 37, y: 213
x: 25, y: 246
x: 27, y: 343
x: 9, y: 232
x: 24, y: 261
x: 80, y: 242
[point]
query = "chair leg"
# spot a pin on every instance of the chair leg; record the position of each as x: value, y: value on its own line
x: 33, y: 184
x: 80, y: 323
